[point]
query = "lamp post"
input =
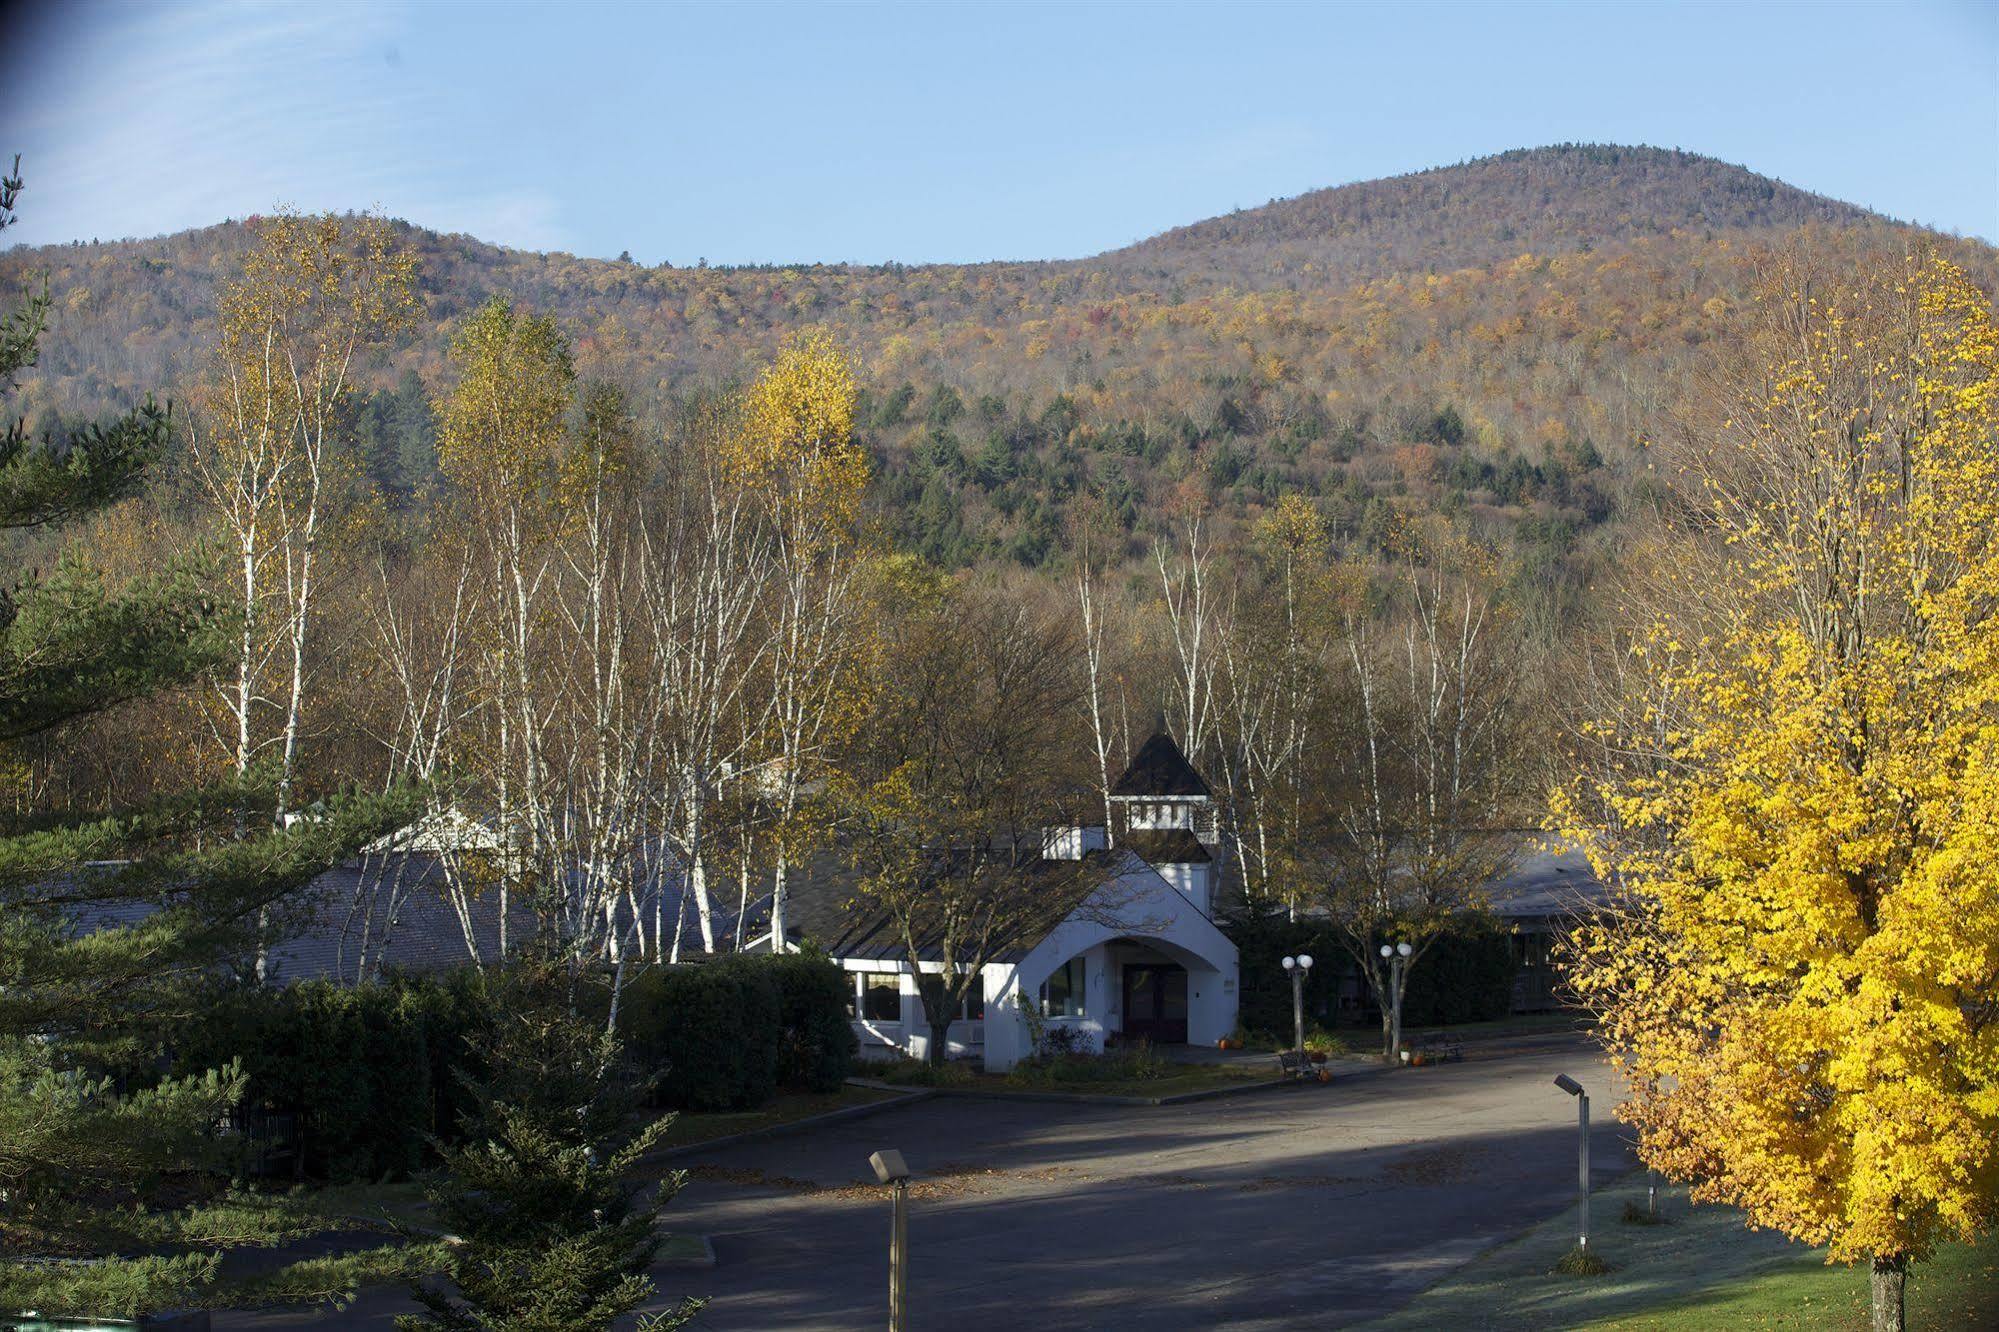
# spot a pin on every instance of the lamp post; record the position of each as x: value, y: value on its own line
x: 1398, y: 959
x: 1297, y: 967
x: 1575, y: 1089
x: 890, y: 1170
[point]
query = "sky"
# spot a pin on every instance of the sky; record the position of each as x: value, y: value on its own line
x: 757, y: 133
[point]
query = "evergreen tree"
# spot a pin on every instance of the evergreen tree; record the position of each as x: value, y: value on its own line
x: 108, y: 920
x: 413, y: 428
x: 556, y: 1233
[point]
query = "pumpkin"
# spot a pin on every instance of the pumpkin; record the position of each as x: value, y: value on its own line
x: 1325, y: 1075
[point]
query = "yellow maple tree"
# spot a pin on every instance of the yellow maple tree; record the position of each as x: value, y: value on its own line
x: 1797, y: 790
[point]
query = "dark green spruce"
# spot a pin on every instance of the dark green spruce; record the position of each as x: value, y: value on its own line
x: 556, y: 1227
x: 116, y: 1195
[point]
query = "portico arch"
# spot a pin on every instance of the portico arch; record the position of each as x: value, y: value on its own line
x: 1168, y: 929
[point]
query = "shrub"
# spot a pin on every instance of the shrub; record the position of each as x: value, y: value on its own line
x: 1466, y: 976
x: 1058, y: 1040
x: 1134, y: 1063
x: 711, y: 1032
x: 1581, y: 1262
x: 367, y: 1069
x: 816, y: 1045
x: 1263, y: 937
x: 907, y: 1072
x: 1637, y: 1214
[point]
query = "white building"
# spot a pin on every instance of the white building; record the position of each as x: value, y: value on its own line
x: 1139, y: 957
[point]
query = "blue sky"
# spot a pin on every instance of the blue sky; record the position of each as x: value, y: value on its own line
x: 775, y: 132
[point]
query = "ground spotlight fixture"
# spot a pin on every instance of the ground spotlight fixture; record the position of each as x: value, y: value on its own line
x: 1575, y: 1089
x: 891, y: 1170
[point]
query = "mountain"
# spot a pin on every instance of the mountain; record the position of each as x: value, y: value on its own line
x: 1496, y: 337
x: 1532, y: 200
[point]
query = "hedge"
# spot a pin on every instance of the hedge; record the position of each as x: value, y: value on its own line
x: 374, y: 1072
x: 725, y: 1035
x: 817, y: 1047
x: 370, y: 1070
x: 1466, y: 975
x: 1263, y: 938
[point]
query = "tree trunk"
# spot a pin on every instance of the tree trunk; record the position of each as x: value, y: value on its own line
x: 779, y: 926
x: 1886, y: 1281
x: 933, y: 992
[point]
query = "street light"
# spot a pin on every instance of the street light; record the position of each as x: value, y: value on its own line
x: 1398, y: 961
x: 1298, y: 966
x: 1575, y: 1089
x: 890, y: 1170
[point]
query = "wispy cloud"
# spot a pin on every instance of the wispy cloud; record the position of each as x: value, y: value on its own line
x: 140, y: 120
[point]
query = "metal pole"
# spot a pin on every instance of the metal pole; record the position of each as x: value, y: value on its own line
x: 1298, y: 1007
x: 1395, y: 1015
x: 898, y: 1261
x: 1582, y: 1165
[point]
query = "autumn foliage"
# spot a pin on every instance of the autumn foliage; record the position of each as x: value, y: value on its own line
x: 1797, y: 785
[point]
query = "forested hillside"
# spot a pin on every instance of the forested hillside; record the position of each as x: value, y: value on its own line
x: 1494, y: 338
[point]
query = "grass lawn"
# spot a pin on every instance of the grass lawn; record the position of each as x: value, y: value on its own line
x: 689, y: 1127
x: 682, y: 1249
x: 1702, y: 1271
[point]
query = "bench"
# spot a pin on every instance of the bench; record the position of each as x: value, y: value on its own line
x: 1435, y: 1047
x: 1296, y: 1064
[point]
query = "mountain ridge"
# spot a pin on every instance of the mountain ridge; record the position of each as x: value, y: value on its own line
x: 1737, y: 184
x: 1500, y: 339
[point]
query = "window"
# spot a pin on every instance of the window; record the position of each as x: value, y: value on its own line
x: 974, y: 1007
x: 1062, y: 992
x: 881, y: 996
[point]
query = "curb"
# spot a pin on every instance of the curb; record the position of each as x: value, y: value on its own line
x: 796, y: 1125
x: 1091, y: 1098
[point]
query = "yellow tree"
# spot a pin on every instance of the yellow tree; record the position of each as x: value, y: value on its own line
x: 794, y: 448
x: 1277, y: 655
x: 502, y: 440
x: 313, y: 291
x: 1799, y: 793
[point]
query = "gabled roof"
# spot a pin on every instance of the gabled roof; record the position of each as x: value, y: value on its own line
x: 1166, y: 846
x: 822, y: 905
x: 1160, y: 769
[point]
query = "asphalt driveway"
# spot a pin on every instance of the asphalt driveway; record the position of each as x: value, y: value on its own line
x: 1306, y: 1207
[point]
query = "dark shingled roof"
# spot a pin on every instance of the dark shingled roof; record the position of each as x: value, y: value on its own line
x: 326, y: 939
x: 1548, y: 883
x: 1166, y: 846
x: 1160, y: 769
x: 820, y: 906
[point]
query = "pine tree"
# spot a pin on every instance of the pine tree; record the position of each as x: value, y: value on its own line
x: 556, y: 1233
x: 108, y: 920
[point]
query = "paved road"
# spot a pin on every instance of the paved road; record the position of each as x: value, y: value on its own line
x: 1307, y: 1207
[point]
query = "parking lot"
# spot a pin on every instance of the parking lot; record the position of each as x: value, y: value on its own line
x: 1306, y: 1207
